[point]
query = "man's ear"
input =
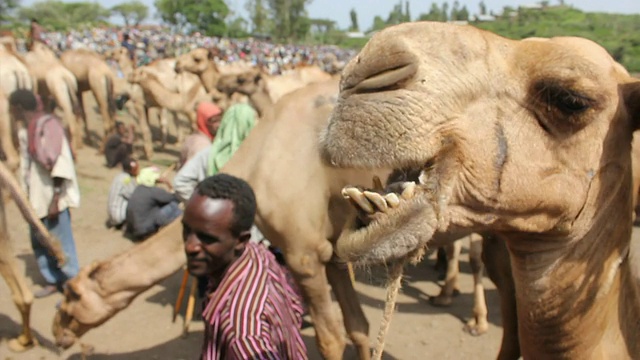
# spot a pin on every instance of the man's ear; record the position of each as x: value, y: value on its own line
x: 244, y: 238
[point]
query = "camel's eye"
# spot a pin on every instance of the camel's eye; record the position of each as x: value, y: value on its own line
x: 568, y: 101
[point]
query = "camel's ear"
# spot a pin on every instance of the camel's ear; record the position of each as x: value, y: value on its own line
x: 631, y: 94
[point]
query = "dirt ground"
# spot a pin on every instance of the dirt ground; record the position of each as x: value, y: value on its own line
x: 145, y: 331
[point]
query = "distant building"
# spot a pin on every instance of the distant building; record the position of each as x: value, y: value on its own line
x: 484, y: 18
x: 356, y: 35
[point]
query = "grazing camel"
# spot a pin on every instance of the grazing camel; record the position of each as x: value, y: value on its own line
x: 93, y: 74
x: 528, y: 140
x: 55, y: 81
x: 20, y: 293
x: 266, y: 161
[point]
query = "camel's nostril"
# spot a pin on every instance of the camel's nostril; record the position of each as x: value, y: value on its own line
x: 387, y: 79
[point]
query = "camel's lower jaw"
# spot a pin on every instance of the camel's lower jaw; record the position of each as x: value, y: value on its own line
x: 390, y: 234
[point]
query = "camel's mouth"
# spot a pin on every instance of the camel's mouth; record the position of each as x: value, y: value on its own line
x: 394, y: 221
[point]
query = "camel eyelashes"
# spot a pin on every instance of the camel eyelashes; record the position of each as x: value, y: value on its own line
x: 568, y: 101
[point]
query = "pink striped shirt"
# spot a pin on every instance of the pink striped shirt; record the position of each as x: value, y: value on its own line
x: 255, y: 312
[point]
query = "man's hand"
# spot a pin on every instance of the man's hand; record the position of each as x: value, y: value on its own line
x: 53, y: 208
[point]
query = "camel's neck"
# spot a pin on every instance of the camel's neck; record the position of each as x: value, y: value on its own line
x: 161, y: 95
x: 209, y: 78
x: 126, y: 66
x: 126, y: 275
x: 260, y: 101
x: 580, y: 301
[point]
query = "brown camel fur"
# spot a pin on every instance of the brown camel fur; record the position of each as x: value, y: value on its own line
x: 14, y: 74
x: 529, y: 140
x: 104, y: 288
x: 20, y: 293
x: 305, y: 236
x: 93, y: 74
x: 55, y: 81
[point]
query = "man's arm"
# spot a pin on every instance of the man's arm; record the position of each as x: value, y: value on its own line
x: 57, y: 190
x: 162, y: 196
x: 192, y: 172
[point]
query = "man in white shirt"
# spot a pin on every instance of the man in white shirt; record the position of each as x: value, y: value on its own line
x: 49, y: 178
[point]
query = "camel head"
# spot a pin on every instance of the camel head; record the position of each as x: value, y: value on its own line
x: 246, y: 83
x: 195, y: 61
x: 82, y: 309
x: 137, y: 76
x: 513, y: 137
x: 117, y: 54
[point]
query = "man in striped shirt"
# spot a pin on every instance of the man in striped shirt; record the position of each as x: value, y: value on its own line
x: 252, y: 310
x: 120, y: 191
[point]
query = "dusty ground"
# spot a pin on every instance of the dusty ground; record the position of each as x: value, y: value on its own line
x: 145, y: 330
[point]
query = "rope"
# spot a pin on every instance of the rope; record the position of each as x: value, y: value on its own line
x: 395, y: 278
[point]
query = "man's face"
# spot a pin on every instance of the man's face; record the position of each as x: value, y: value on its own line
x: 213, y: 124
x: 16, y: 112
x: 208, y: 242
x: 122, y: 130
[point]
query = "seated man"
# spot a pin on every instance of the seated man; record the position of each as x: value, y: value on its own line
x: 150, y: 207
x: 119, y: 146
x: 121, y: 190
x: 217, y: 228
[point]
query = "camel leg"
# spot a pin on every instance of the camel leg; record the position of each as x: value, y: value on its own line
x: 496, y: 259
x: 6, y: 137
x: 63, y: 97
x: 20, y: 293
x: 354, y: 319
x: 450, y: 287
x: 104, y: 97
x: 141, y: 112
x: 478, y: 325
x: 164, y: 122
x: 307, y: 267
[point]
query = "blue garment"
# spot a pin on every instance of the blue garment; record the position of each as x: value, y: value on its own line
x: 61, y: 229
x: 168, y: 213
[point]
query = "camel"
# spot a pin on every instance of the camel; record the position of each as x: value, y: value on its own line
x: 304, y: 236
x: 93, y: 74
x: 54, y: 80
x: 14, y: 75
x: 20, y: 292
x: 528, y: 140
x: 157, y: 95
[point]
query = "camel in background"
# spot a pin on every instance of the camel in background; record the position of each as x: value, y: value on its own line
x: 93, y: 74
x: 527, y: 140
x: 57, y: 83
x: 20, y: 292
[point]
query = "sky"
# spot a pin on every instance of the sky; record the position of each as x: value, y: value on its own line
x: 338, y: 10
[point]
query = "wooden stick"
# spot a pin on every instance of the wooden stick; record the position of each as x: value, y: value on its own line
x: 352, y: 275
x: 190, y: 306
x: 183, y: 286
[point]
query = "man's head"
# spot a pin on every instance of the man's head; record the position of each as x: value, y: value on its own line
x: 34, y: 20
x: 121, y: 128
x: 131, y: 167
x: 22, y: 101
x: 217, y: 224
x: 209, y: 117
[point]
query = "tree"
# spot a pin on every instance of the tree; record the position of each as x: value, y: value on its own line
x: 6, y: 8
x: 258, y: 15
x: 354, y: 21
x: 289, y: 19
x: 455, y: 10
x: 435, y: 14
x: 60, y: 16
x: 206, y: 16
x: 483, y: 8
x: 407, y: 12
x: 237, y: 27
x: 445, y: 12
x: 463, y: 14
x: 395, y: 16
x: 133, y: 12
x: 378, y: 24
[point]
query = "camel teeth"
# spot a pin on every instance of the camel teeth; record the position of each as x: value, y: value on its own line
x: 360, y: 199
x: 423, y: 177
x: 377, y: 183
x: 409, y: 190
x: 377, y: 199
x: 392, y: 199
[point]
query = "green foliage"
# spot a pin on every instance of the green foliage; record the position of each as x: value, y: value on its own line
x: 206, y: 16
x: 237, y: 27
x: 6, y: 8
x: 133, y: 12
x: 61, y: 16
x: 289, y: 19
x: 619, y: 34
x: 354, y: 20
x: 258, y: 16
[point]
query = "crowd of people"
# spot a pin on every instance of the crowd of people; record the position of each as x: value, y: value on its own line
x: 156, y: 42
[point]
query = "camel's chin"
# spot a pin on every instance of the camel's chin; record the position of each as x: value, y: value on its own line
x: 392, y: 233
